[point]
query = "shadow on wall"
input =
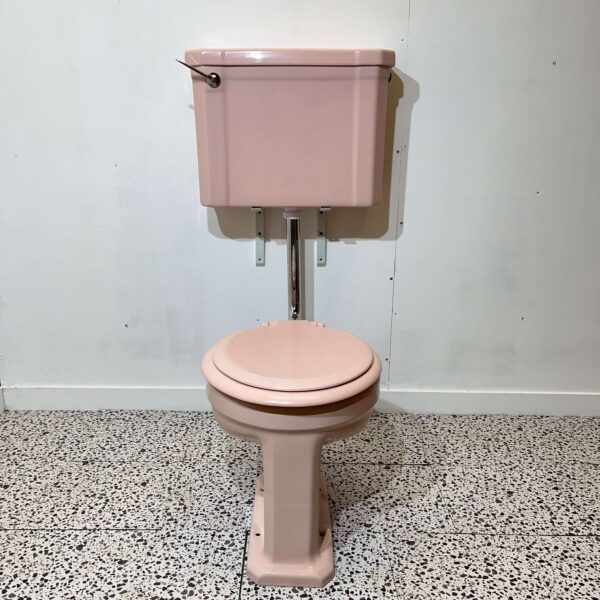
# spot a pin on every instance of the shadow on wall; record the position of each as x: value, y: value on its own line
x: 345, y: 224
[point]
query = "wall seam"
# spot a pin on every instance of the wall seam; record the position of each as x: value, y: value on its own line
x: 398, y: 215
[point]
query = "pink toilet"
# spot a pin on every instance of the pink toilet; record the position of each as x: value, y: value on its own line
x: 291, y: 129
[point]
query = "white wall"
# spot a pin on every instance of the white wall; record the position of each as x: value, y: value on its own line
x: 476, y: 281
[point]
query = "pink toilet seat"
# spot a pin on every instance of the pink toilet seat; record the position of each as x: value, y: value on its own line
x: 292, y: 356
x: 291, y: 363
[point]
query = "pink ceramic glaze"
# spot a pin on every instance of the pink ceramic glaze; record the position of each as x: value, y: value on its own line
x: 290, y: 540
x: 292, y: 356
x: 335, y: 57
x: 291, y: 128
x: 293, y: 399
x: 291, y: 385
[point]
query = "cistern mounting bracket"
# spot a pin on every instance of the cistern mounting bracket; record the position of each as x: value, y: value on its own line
x: 259, y: 243
x: 322, y: 236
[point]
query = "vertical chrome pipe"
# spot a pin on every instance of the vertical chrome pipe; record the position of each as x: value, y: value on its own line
x: 294, y: 259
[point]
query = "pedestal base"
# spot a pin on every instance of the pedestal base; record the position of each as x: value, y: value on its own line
x: 314, y: 570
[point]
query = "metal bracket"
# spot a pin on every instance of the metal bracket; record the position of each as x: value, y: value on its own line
x: 259, y: 244
x: 322, y: 236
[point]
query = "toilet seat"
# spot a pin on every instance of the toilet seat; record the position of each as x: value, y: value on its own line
x: 291, y: 364
x: 292, y: 356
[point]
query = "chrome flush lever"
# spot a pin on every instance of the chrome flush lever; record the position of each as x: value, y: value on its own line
x: 213, y: 80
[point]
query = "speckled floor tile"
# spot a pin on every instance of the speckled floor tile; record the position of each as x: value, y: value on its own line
x: 537, y: 499
x: 487, y: 439
x: 476, y: 567
x: 140, y: 565
x: 387, y: 439
x: 60, y: 495
x: 212, y: 495
x: 26, y: 435
x: 99, y: 495
x: 558, y: 440
x: 580, y: 587
x: 146, y: 436
x: 207, y: 441
x: 385, y: 497
x: 181, y: 473
x: 362, y: 572
x: 470, y: 440
x: 577, y: 560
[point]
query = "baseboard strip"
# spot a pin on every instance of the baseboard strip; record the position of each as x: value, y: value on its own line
x: 391, y: 400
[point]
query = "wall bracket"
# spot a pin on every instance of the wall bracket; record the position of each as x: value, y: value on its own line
x: 322, y: 236
x: 259, y: 244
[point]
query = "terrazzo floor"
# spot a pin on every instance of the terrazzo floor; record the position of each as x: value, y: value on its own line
x: 156, y: 505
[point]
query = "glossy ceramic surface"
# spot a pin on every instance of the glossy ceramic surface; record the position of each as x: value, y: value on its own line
x: 291, y: 128
x: 290, y: 57
x: 292, y: 356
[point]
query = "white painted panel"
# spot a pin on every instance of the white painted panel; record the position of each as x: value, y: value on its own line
x: 112, y: 274
x: 497, y: 270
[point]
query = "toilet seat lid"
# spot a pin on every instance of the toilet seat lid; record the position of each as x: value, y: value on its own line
x: 292, y: 356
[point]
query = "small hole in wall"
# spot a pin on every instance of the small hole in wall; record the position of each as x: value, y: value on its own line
x: 554, y: 62
x: 126, y: 324
x: 257, y: 534
x: 262, y: 489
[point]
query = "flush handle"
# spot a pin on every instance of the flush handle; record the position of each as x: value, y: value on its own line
x: 213, y: 80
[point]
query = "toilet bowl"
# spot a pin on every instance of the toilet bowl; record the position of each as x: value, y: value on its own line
x: 291, y: 386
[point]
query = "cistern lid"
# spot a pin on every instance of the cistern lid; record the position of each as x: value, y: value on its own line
x: 292, y: 356
x: 338, y: 57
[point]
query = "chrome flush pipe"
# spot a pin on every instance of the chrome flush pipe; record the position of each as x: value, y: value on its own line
x: 294, y: 262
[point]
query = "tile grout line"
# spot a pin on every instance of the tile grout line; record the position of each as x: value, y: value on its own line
x: 97, y: 529
x: 510, y: 535
x: 391, y: 566
x: 246, y: 534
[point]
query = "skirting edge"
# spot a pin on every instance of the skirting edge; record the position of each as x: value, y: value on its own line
x: 396, y: 400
